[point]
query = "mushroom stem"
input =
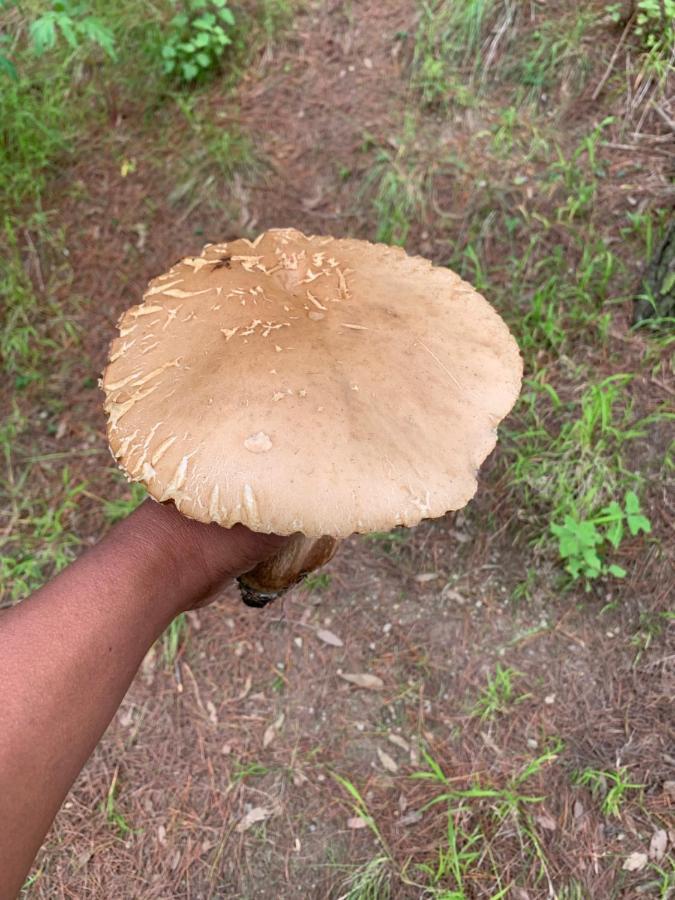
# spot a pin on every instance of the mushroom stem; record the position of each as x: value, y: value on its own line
x: 271, y: 578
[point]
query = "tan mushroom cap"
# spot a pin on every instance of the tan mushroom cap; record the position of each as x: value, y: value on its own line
x: 310, y: 384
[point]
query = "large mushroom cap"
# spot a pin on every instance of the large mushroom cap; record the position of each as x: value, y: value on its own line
x: 309, y: 384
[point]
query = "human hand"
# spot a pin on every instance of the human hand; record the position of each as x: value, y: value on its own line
x: 199, y: 557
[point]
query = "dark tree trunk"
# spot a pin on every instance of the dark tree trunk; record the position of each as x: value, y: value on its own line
x: 658, y: 294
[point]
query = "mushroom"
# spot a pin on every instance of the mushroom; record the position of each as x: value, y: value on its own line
x: 308, y: 386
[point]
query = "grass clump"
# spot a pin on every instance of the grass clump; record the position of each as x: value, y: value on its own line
x: 448, y: 43
x: 611, y: 787
x: 498, y: 695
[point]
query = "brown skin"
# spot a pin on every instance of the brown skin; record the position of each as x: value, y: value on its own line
x: 69, y: 653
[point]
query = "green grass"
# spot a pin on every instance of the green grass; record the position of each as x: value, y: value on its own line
x: 611, y: 787
x: 394, y: 185
x: 40, y: 539
x: 371, y: 880
x: 555, y: 55
x: 568, y: 457
x: 478, y: 818
x: 174, y: 638
x: 121, y: 507
x: 110, y: 809
x: 498, y: 695
x: 448, y: 39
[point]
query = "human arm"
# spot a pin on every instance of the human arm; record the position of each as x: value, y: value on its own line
x: 69, y: 652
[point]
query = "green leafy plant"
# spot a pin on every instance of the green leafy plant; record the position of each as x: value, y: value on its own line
x: 654, y: 23
x: 74, y: 22
x: 197, y: 38
x: 580, y: 540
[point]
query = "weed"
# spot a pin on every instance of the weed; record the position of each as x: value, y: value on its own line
x: 498, y: 694
x: 578, y: 178
x: 578, y: 467
x: 654, y: 24
x: 275, y: 16
x: 34, y: 322
x: 450, y: 35
x: 112, y: 814
x: 250, y: 770
x: 40, y: 541
x: 317, y: 581
x: 580, y: 541
x: 121, y: 507
x: 369, y: 881
x: 557, y: 56
x: 389, y: 541
x: 395, y: 186
x: 651, y: 627
x: 664, y: 882
x: 360, y: 807
x: 173, y: 638
x: 215, y: 154
x: 75, y: 25
x: 611, y: 786
x: 197, y: 38
x: 506, y: 807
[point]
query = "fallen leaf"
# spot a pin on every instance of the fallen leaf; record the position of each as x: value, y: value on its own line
x: 356, y: 822
x: 669, y: 788
x: 635, y: 862
x: 247, y: 688
x: 161, y: 835
x: 578, y: 809
x: 423, y: 577
x: 658, y: 845
x: 364, y: 680
x: 386, y: 760
x: 211, y: 709
x: 329, y: 638
x: 490, y: 743
x: 449, y: 593
x: 257, y: 814
x: 272, y: 730
x: 412, y: 818
x: 546, y: 821
x: 398, y: 741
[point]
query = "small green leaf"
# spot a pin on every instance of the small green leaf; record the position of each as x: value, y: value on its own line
x: 639, y: 523
x: 8, y: 67
x: 190, y: 71
x: 615, y: 531
x: 616, y: 571
x: 631, y: 502
x: 203, y: 59
x: 43, y: 33
x: 227, y: 16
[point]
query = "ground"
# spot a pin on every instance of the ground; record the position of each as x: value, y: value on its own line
x: 518, y: 738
